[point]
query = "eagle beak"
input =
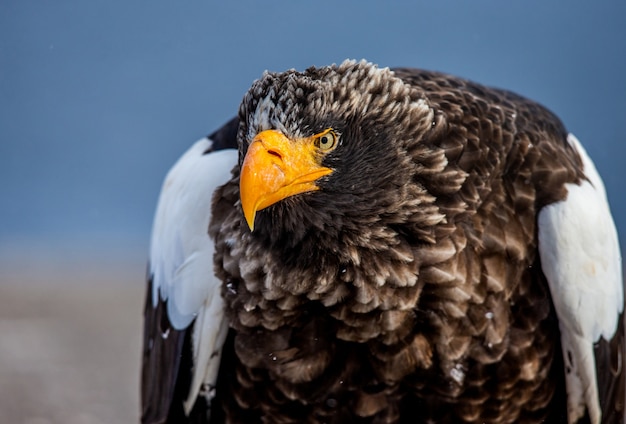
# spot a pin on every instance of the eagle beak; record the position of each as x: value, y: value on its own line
x: 275, y: 168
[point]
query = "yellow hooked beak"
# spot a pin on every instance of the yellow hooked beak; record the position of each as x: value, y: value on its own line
x: 275, y: 168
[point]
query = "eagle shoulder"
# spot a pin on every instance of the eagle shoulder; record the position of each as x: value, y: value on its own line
x: 184, y: 309
x: 580, y: 257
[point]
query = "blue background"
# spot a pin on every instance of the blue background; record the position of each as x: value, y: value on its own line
x: 99, y: 98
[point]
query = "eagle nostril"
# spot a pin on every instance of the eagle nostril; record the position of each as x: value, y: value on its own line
x: 274, y: 153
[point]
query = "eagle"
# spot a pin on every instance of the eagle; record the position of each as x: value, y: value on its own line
x: 371, y: 245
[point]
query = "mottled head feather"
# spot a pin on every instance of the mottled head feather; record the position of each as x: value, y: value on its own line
x: 293, y: 101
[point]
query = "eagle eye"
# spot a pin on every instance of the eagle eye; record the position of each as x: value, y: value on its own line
x: 326, y: 140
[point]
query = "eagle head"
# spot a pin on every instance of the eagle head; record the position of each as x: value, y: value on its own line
x: 332, y: 149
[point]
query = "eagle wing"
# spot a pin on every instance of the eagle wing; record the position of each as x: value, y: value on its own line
x: 184, y: 324
x: 580, y: 258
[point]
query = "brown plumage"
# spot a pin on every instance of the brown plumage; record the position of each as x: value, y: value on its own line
x: 408, y: 287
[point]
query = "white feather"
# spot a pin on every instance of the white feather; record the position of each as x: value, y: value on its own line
x: 181, y: 256
x: 580, y: 258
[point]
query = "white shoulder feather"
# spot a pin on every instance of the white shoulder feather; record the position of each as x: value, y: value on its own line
x: 580, y: 258
x: 181, y: 256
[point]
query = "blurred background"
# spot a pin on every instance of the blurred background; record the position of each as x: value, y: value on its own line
x: 99, y: 98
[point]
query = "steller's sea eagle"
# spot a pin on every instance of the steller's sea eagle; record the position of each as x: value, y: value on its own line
x: 374, y: 245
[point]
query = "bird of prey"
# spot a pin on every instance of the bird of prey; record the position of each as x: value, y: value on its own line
x: 373, y: 245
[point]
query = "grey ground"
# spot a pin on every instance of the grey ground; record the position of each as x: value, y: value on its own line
x: 70, y: 343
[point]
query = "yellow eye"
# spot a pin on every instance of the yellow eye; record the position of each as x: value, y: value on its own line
x: 327, y: 140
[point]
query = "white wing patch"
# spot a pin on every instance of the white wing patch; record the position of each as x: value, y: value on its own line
x: 580, y: 257
x: 181, y: 256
